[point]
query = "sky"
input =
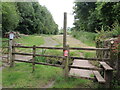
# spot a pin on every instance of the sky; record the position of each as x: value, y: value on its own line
x: 57, y: 9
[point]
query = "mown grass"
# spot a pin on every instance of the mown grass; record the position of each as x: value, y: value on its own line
x: 21, y: 76
x: 31, y: 40
x: 87, y: 38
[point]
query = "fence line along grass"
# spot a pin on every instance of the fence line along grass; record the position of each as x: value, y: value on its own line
x: 21, y: 76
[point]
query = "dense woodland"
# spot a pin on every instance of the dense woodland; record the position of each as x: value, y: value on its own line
x: 27, y: 18
x: 31, y: 17
x: 97, y: 16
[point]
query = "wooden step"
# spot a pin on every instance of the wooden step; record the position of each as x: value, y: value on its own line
x: 74, y: 76
x: 88, y: 68
x: 106, y: 66
x: 99, y: 78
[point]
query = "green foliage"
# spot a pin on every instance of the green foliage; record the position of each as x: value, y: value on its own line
x: 28, y: 40
x: 103, y: 35
x: 92, y: 16
x: 10, y: 16
x: 28, y: 18
x: 21, y: 76
x: 71, y: 83
x: 86, y: 37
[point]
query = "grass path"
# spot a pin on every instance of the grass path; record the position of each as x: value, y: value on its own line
x: 70, y: 40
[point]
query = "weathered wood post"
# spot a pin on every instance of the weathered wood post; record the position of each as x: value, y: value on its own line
x: 108, y: 74
x: 33, y: 59
x: 13, y: 55
x: 65, y: 31
x: 11, y: 49
x: 108, y: 77
x: 111, y: 54
x: 118, y: 59
x: 65, y: 47
x: 118, y: 66
x: 66, y: 54
x: 64, y: 35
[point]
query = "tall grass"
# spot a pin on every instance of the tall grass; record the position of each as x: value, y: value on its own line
x: 86, y: 37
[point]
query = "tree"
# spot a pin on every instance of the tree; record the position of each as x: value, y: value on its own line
x: 26, y: 24
x: 91, y: 16
x: 10, y: 16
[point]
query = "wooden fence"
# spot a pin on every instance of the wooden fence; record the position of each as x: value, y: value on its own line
x: 66, y: 64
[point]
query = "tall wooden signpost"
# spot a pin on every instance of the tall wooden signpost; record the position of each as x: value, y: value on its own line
x: 64, y: 30
x: 65, y: 47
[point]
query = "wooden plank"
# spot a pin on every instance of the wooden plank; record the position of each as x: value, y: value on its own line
x: 88, y: 68
x: 59, y: 48
x: 40, y: 63
x: 89, y: 48
x: 30, y: 54
x: 106, y: 66
x: 99, y: 78
x: 93, y: 59
x: 23, y: 46
x: 90, y: 78
x: 63, y: 48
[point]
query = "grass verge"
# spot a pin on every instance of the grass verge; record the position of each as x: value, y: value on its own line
x: 21, y: 76
x: 87, y: 38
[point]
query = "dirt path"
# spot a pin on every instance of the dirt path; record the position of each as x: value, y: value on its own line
x: 70, y: 40
x: 49, y: 42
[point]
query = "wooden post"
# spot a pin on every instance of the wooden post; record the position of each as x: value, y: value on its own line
x: 65, y: 30
x: 33, y: 60
x: 10, y: 52
x: 111, y: 57
x: 64, y: 34
x: 118, y: 66
x: 118, y: 60
x: 13, y: 51
x: 66, y: 54
x: 108, y: 77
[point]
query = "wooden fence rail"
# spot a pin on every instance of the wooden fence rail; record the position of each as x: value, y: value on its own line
x: 61, y: 48
x: 40, y: 63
